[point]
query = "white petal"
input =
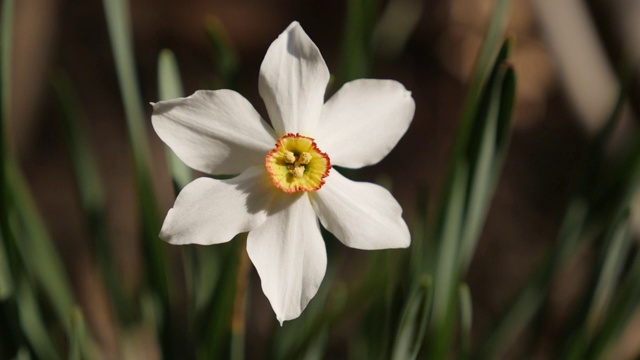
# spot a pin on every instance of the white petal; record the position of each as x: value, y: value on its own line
x: 216, y: 132
x: 210, y: 211
x: 363, y: 121
x: 361, y: 215
x: 293, y: 79
x: 289, y: 254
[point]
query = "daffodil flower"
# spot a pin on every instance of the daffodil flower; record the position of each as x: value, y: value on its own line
x: 286, y: 182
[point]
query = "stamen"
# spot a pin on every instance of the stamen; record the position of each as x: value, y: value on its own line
x: 296, y: 164
x: 304, y: 158
x: 289, y: 157
x: 298, y: 171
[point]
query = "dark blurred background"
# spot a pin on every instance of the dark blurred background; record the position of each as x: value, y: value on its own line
x: 566, y: 57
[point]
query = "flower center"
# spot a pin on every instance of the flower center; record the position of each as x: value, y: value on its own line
x: 296, y: 164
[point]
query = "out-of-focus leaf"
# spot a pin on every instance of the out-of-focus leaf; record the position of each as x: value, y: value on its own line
x: 224, y: 53
x: 213, y: 320
x: 607, y: 271
x: 36, y: 250
x: 531, y: 296
x: 170, y: 87
x: 421, y: 249
x: 33, y: 325
x: 295, y: 339
x: 619, y: 243
x: 397, y: 22
x: 6, y: 28
x: 6, y: 285
x: 154, y: 250
x: 413, y: 324
x: 78, y: 334
x: 90, y: 188
x: 466, y: 320
x: 23, y: 354
x: 475, y: 170
x: 356, y: 46
x: 487, y: 152
x: 601, y: 196
x: 624, y: 304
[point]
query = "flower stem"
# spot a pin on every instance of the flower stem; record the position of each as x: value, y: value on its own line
x: 238, y: 317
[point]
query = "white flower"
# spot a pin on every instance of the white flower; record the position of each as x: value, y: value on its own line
x: 286, y: 182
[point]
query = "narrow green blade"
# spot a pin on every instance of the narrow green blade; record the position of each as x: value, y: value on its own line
x: 91, y: 192
x: 6, y: 237
x: 413, y: 325
x: 170, y: 87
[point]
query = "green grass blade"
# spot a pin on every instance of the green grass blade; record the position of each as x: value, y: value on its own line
x: 91, y: 193
x: 531, y: 297
x: 413, y: 324
x: 6, y: 284
x: 446, y: 276
x: 295, y: 338
x: 120, y: 34
x: 625, y: 303
x: 40, y: 258
x: 170, y: 87
x: 214, y: 319
x: 78, y: 334
x: 240, y: 299
x: 448, y: 239
x: 606, y: 276
x: 487, y: 152
x: 466, y: 320
x: 612, y: 266
x: 6, y: 237
x: 23, y: 354
x: 422, y: 254
x: 454, y: 187
x: 36, y: 249
x: 488, y: 56
x: 356, y: 46
x: 225, y: 55
x: 33, y: 326
x: 118, y: 22
x: 468, y: 195
x: 397, y: 22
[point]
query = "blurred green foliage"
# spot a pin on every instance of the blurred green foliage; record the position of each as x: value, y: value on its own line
x: 392, y: 310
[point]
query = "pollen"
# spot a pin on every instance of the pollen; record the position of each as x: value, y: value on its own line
x: 296, y: 164
x: 289, y: 157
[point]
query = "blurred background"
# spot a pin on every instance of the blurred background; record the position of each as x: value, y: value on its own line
x: 567, y: 57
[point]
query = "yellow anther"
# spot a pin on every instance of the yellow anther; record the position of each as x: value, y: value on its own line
x: 304, y: 158
x: 289, y: 157
x: 296, y: 164
x: 298, y: 171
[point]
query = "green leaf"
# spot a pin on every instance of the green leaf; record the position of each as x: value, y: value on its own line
x: 6, y: 284
x: 487, y: 151
x: 6, y: 237
x: 91, y: 192
x: 466, y: 320
x: 413, y: 324
x: 78, y: 334
x: 619, y: 241
x: 225, y: 54
x: 33, y: 326
x: 213, y: 321
x: 356, y: 47
x: 475, y: 172
x: 531, y: 297
x: 36, y: 249
x: 397, y: 22
x: 170, y: 87
x: 154, y: 250
x: 625, y: 303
